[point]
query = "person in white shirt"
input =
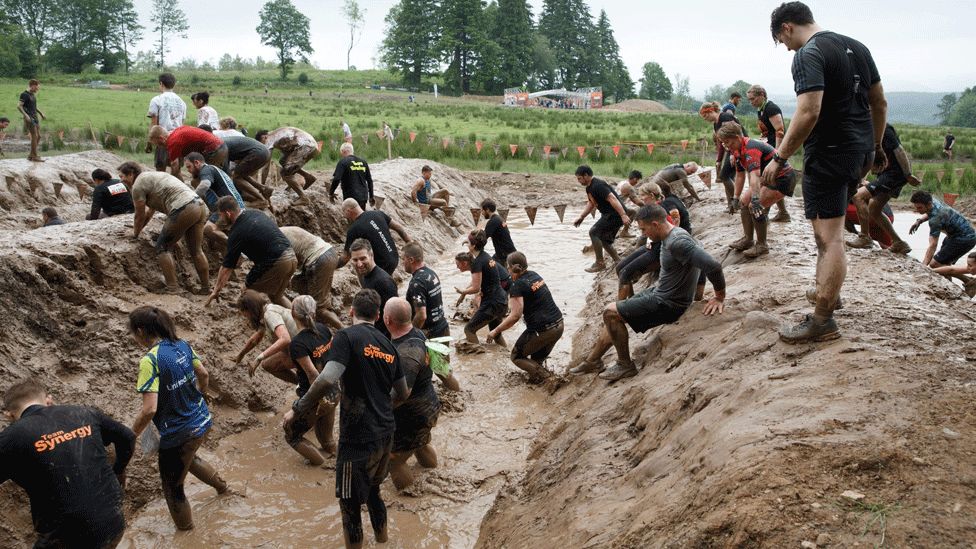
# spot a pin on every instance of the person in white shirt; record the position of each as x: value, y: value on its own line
x: 206, y: 115
x: 166, y: 110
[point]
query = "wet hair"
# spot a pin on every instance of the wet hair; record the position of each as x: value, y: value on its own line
x: 489, y: 204
x: 366, y: 304
x: 711, y: 106
x: 756, y: 89
x: 636, y: 174
x: 347, y: 148
x: 194, y: 157
x: 584, y: 170
x: 4, y: 119
x: 478, y: 239
x: 735, y: 95
x: 228, y: 123
x: 651, y: 213
x: 414, y: 251
x: 464, y: 257
x: 101, y: 175
x: 517, y: 262
x: 303, y: 308
x: 33, y: 82
x: 203, y: 97
x: 206, y: 127
x: 167, y: 80
x: 20, y: 393
x: 797, y: 13
x: 228, y: 204
x: 665, y: 189
x: 152, y: 322
x: 361, y: 244
x: 922, y: 197
x: 260, y: 134
x: 252, y: 304
x: 729, y: 130
x: 130, y: 168
x: 49, y: 212
x: 426, y: 168
x: 649, y: 189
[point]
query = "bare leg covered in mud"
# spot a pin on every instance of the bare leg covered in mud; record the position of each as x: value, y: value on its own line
x: 831, y: 272
x: 400, y: 472
x: 614, y: 334
x: 174, y: 464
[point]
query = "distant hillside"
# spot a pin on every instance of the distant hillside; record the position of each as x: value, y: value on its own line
x: 903, y: 107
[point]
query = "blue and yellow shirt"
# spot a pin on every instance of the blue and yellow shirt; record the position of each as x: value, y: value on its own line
x: 181, y: 413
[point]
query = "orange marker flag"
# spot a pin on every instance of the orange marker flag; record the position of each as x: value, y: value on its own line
x: 478, y: 145
x: 61, y: 135
x: 513, y: 148
x: 475, y: 214
x: 320, y: 144
x: 546, y: 149
x: 581, y: 150
x: 445, y: 142
x: 413, y: 135
x: 616, y: 151
x: 120, y: 139
x: 650, y: 148
x: 684, y: 144
x: 950, y: 198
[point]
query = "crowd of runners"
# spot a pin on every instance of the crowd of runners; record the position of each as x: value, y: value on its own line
x: 379, y: 367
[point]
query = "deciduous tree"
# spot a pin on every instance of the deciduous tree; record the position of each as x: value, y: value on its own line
x: 285, y: 29
x: 410, y: 45
x: 355, y: 18
x: 168, y: 20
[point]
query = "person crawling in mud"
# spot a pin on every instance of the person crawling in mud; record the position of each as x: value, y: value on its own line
x: 960, y: 236
x: 678, y: 173
x: 417, y: 416
x: 275, y: 322
x: 109, y: 197
x: 372, y: 384
x: 211, y: 184
x: 966, y: 274
x: 57, y: 455
x: 485, y: 280
x: 529, y: 297
x: 50, y: 217
x: 750, y: 157
x: 682, y: 261
x: 601, y: 196
x: 317, y: 263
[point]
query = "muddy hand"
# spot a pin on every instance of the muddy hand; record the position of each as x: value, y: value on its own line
x: 578, y: 222
x: 287, y: 420
x: 253, y: 366
x: 914, y: 227
x: 714, y: 306
x: 880, y: 160
x: 213, y: 297
x: 769, y: 174
x: 914, y: 181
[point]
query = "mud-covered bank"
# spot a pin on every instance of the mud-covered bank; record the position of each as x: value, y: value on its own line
x: 730, y: 438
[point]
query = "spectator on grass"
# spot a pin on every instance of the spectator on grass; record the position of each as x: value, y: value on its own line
x: 205, y: 113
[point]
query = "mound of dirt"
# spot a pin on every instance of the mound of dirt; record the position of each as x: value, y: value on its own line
x: 730, y: 438
x: 66, y: 291
x: 637, y: 105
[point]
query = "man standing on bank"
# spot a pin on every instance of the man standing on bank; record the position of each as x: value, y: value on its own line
x: 840, y: 123
x: 32, y: 118
x: 353, y: 174
x: 600, y: 195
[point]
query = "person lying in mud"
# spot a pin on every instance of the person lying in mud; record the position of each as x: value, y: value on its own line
x: 275, y: 322
x: 497, y: 230
x: 372, y: 378
x: 601, y: 196
x: 173, y: 382
x: 417, y: 416
x: 57, y: 455
x: 423, y: 191
x: 485, y: 280
x: 529, y: 297
x: 960, y: 236
x: 317, y: 263
x: 966, y: 274
x: 682, y: 262
x: 308, y: 351
x: 678, y: 173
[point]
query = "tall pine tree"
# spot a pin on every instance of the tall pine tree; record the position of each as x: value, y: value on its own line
x: 611, y: 72
x: 568, y: 26
x: 512, y: 31
x: 410, y: 46
x: 463, y: 37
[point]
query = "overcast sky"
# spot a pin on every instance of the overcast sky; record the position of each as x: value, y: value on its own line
x: 918, y: 46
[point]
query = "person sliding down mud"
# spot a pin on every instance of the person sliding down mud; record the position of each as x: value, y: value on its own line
x: 751, y: 156
x: 173, y: 382
x: 486, y: 280
x: 57, y: 455
x: 496, y: 229
x: 960, y: 236
x: 678, y: 173
x: 529, y: 296
x: 724, y: 171
x: 965, y: 274
x: 682, y: 261
x: 601, y: 196
x: 423, y: 191
x: 308, y: 351
x: 418, y: 414
x: 372, y: 383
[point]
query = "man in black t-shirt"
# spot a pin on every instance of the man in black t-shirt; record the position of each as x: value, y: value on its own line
x: 57, y: 455
x: 32, y: 118
x: 353, y: 174
x: 256, y: 235
x: 249, y: 157
x: 839, y: 122
x: 369, y: 367
x: 374, y: 226
x: 497, y: 230
x: 424, y: 293
x: 601, y: 196
x: 950, y: 140
x: 530, y: 297
x: 772, y: 127
x: 110, y: 196
x: 486, y: 281
x: 371, y: 276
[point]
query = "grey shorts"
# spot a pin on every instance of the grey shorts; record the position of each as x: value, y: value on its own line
x: 647, y: 310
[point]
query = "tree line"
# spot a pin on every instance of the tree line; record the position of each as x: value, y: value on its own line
x: 959, y: 110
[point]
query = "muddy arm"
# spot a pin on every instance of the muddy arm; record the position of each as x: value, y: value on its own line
x: 146, y: 413
x: 398, y: 228
x: 515, y: 306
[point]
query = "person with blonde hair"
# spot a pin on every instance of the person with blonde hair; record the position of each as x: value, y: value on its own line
x: 772, y: 128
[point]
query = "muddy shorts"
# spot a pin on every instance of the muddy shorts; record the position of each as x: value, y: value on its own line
x: 445, y: 332
x: 361, y: 466
x: 161, y: 158
x: 488, y: 314
x: 888, y: 183
x: 829, y: 181
x: 647, y: 310
x: 952, y: 249
x: 537, y: 345
x: 605, y: 229
x: 275, y: 279
x: 785, y: 184
x: 640, y: 262
x: 413, y: 427
x: 316, y: 280
x: 251, y: 163
x: 294, y: 159
x: 105, y: 532
x: 179, y: 222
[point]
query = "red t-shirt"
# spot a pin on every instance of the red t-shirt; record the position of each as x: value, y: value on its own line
x: 187, y: 139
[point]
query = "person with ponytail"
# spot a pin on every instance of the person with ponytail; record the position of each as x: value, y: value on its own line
x: 173, y: 382
x: 724, y: 171
x: 308, y: 350
x: 276, y: 322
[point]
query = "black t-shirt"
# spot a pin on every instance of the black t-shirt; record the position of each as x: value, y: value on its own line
x: 316, y: 347
x: 57, y: 455
x: 113, y: 197
x: 372, y: 366
x: 728, y: 116
x: 765, y: 114
x: 423, y: 399
x: 949, y: 140
x: 30, y: 104
x: 424, y: 290
x: 889, y: 143
x: 220, y: 186
x: 843, y: 69
x: 255, y: 235
x: 383, y: 283
x: 674, y: 203
x: 353, y: 174
x: 374, y: 226
x: 239, y: 147
x: 491, y: 290
x: 501, y: 238
x: 601, y: 191
x: 504, y: 277
x: 538, y: 307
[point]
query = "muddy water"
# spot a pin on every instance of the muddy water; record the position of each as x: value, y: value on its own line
x: 482, y: 440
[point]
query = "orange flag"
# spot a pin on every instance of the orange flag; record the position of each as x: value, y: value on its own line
x: 650, y: 148
x: 445, y: 142
x: 475, y: 214
x: 950, y: 198
x: 478, y: 145
x: 513, y: 148
x: 319, y: 145
x: 413, y: 135
x: 616, y: 150
x: 120, y: 139
x: 61, y: 135
x: 546, y: 149
x: 581, y: 150
x: 684, y: 144
x: 560, y: 211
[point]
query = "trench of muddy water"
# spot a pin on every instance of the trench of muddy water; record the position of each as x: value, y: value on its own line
x: 483, y: 438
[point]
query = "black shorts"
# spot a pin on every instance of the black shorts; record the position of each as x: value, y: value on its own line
x: 488, y: 314
x: 830, y: 180
x: 443, y: 332
x: 361, y: 466
x: 786, y: 183
x: 413, y: 429
x: 952, y: 249
x: 888, y: 183
x: 605, y: 229
x: 647, y: 310
x: 106, y: 531
x: 537, y: 345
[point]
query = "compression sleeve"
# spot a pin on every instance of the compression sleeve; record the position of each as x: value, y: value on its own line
x: 712, y: 268
x: 320, y: 387
x: 122, y: 437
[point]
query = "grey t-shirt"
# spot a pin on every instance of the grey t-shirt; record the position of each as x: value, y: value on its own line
x: 679, y: 276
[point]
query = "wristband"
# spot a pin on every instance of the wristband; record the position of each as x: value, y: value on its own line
x: 778, y: 159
